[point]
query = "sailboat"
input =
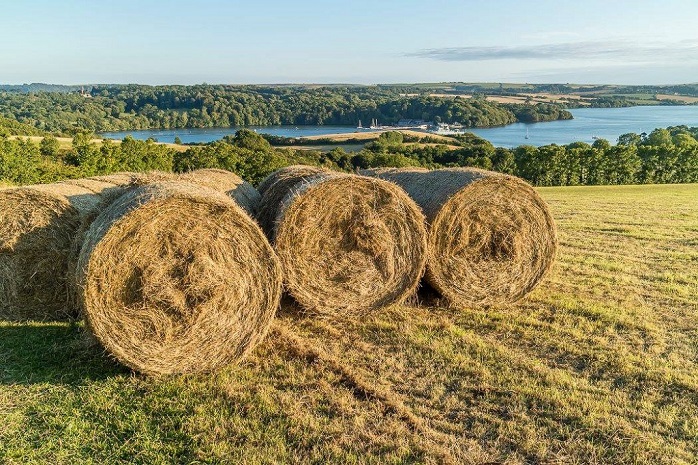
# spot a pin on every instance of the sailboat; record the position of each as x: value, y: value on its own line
x: 526, y: 137
x: 359, y: 126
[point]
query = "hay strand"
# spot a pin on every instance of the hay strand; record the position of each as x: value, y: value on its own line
x: 492, y: 238
x: 176, y: 278
x: 348, y: 244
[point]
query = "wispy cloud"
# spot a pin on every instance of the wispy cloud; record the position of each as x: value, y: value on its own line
x: 597, y: 50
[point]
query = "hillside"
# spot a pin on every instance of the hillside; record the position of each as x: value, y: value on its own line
x: 598, y: 365
x: 10, y: 127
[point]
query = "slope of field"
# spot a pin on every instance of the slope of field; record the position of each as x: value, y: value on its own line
x: 67, y: 142
x: 598, y: 365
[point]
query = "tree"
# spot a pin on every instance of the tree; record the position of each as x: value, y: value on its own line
x: 49, y: 146
x: 503, y: 161
x: 246, y: 139
x: 391, y: 138
x: 629, y: 139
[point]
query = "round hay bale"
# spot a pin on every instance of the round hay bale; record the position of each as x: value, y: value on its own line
x: 37, y: 228
x: 276, y: 186
x: 492, y: 238
x: 177, y: 278
x: 348, y: 244
x: 233, y: 185
x: 119, y: 179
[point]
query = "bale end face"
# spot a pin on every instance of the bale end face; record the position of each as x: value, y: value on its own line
x: 491, y: 243
x: 349, y: 244
x: 176, y: 278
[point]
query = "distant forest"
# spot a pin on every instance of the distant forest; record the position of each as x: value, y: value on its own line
x: 126, y: 107
x: 66, y: 110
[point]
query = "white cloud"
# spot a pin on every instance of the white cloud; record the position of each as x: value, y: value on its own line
x: 607, y: 51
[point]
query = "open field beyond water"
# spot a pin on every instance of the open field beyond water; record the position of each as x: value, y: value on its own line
x: 598, y: 365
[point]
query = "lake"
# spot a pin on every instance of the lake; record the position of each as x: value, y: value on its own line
x: 588, y: 123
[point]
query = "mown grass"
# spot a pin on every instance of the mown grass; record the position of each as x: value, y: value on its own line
x: 598, y: 365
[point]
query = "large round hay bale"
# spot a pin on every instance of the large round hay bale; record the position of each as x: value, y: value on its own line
x: 348, y: 244
x: 224, y: 181
x: 37, y: 228
x: 492, y: 238
x: 177, y: 278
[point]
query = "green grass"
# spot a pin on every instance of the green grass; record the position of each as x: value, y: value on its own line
x: 598, y: 365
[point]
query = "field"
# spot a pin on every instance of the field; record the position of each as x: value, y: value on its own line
x: 577, y: 96
x: 680, y: 98
x: 598, y: 365
x: 66, y: 143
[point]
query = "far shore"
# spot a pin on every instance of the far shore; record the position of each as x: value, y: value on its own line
x: 358, y: 135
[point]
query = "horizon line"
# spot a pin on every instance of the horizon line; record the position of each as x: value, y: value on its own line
x: 272, y: 84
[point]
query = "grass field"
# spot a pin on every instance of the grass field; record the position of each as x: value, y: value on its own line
x: 66, y: 143
x: 598, y: 365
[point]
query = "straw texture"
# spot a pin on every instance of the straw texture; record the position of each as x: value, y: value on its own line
x: 492, y: 238
x: 177, y: 278
x: 348, y: 244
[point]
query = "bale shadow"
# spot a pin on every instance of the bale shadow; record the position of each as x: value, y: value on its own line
x: 54, y: 353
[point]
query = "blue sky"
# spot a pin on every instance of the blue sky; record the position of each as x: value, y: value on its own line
x: 158, y: 42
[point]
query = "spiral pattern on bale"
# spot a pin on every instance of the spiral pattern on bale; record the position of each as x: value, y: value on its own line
x: 348, y: 244
x: 492, y: 238
x: 177, y: 278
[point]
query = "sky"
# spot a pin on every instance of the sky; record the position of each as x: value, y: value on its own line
x: 363, y: 42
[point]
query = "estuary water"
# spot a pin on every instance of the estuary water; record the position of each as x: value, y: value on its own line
x: 588, y: 124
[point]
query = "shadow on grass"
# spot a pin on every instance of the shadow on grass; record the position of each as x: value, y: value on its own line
x: 54, y: 353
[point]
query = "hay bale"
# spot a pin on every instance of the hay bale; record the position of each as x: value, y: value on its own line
x: 348, y: 244
x: 492, y: 238
x: 177, y: 278
x: 37, y: 227
x: 233, y: 185
x: 121, y: 183
x: 119, y: 179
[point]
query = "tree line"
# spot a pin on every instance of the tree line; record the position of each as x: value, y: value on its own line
x: 664, y: 156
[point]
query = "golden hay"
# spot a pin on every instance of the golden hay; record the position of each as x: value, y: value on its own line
x: 233, y: 185
x: 120, y: 179
x: 491, y: 236
x: 177, y: 278
x: 282, y: 181
x: 348, y: 244
x: 37, y: 227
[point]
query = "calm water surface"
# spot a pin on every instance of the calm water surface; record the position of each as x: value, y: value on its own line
x: 588, y: 123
